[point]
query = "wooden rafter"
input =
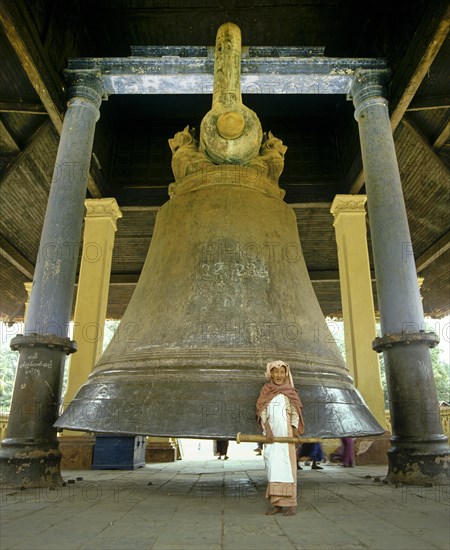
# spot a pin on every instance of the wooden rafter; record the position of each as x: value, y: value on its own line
x: 433, y: 253
x: 23, y: 107
x: 36, y: 65
x: 7, y: 142
x: 30, y: 146
x: 15, y: 258
x: 418, y: 135
x: 31, y: 60
x: 431, y: 34
x: 429, y: 102
x: 442, y: 137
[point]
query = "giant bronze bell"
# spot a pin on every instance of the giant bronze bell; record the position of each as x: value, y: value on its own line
x: 224, y: 290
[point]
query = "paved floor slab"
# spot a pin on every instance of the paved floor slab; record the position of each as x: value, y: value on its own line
x: 211, y: 505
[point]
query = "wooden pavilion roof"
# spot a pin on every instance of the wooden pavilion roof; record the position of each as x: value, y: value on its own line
x: 131, y: 158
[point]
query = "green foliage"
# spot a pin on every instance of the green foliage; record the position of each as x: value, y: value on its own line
x: 439, y: 361
x: 441, y: 371
x: 110, y: 329
x: 9, y: 360
x: 8, y: 366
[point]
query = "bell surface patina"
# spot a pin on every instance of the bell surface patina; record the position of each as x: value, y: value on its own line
x: 223, y: 291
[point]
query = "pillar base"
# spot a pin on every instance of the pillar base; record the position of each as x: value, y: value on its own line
x: 25, y: 466
x: 76, y: 451
x: 372, y: 450
x: 414, y: 465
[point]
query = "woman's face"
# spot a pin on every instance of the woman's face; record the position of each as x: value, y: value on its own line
x: 278, y: 375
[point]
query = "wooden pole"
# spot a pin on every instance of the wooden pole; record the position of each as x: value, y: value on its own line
x: 251, y: 438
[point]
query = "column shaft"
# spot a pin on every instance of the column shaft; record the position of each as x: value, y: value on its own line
x: 93, y: 288
x: 419, y: 450
x: 357, y: 300
x: 29, y: 455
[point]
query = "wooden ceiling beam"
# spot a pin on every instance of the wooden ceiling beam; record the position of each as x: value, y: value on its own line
x: 429, y: 38
x: 429, y: 102
x: 310, y: 205
x: 15, y: 258
x: 21, y: 34
x: 442, y: 137
x: 418, y: 135
x: 433, y: 253
x: 32, y: 60
x: 29, y: 148
x: 7, y: 142
x: 22, y: 107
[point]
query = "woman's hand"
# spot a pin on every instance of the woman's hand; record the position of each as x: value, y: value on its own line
x: 295, y: 432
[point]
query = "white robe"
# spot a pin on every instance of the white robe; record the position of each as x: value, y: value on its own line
x: 280, y: 415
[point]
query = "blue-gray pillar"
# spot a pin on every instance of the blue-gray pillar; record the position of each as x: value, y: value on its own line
x: 419, y: 451
x: 29, y: 456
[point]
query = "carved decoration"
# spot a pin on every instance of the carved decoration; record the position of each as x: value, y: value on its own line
x: 189, y: 159
x: 348, y: 203
x: 186, y: 157
x: 102, y: 208
x: 271, y: 157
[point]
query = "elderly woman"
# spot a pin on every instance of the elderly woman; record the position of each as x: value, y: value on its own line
x: 279, y: 412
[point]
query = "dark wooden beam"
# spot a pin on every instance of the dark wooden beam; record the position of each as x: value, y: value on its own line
x: 418, y: 135
x: 442, y: 137
x: 310, y: 205
x: 30, y: 146
x: 15, y: 258
x: 430, y: 102
x: 32, y: 60
x: 428, y: 40
x: 7, y: 142
x: 318, y: 277
x: 121, y: 279
x: 139, y: 208
x: 433, y: 253
x: 23, y: 37
x: 23, y: 107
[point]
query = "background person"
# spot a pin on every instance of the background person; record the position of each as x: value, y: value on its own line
x: 314, y: 452
x: 221, y: 448
x: 348, y: 451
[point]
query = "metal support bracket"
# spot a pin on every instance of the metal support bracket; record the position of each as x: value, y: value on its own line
x: 406, y: 338
x: 50, y: 341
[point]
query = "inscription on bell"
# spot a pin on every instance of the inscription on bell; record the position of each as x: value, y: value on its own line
x: 221, y: 251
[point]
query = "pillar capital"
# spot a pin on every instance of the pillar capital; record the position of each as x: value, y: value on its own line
x: 369, y: 88
x: 28, y: 286
x: 103, y: 208
x: 349, y: 204
x: 85, y: 85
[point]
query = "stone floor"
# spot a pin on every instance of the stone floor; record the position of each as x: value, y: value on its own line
x: 211, y: 504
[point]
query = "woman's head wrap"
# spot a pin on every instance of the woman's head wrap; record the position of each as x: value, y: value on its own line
x: 270, y: 390
x: 278, y: 364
